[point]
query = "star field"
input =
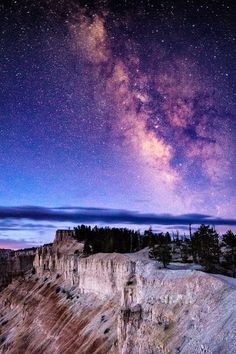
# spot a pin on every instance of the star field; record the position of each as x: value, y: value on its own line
x: 119, y: 105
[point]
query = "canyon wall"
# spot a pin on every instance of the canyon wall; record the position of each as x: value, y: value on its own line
x: 14, y: 264
x: 117, y: 304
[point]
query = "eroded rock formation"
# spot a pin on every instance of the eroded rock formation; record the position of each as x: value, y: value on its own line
x: 113, y: 303
x: 14, y: 264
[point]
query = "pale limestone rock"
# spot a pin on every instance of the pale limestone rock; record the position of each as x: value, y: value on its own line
x: 176, y: 311
x: 134, y: 307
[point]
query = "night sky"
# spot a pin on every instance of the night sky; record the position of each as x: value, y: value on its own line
x: 116, y: 112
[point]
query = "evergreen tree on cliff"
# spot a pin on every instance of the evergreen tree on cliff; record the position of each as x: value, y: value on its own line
x: 206, y: 248
x: 229, y: 243
x: 161, y: 249
x: 185, y: 249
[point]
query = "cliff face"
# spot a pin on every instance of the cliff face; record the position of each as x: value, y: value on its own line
x: 113, y: 303
x: 14, y: 264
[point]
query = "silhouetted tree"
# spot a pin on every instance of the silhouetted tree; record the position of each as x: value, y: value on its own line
x: 205, y: 247
x: 167, y: 237
x: 107, y: 239
x: 185, y: 250
x: 87, y: 248
x: 161, y: 250
x: 229, y: 243
x: 81, y: 232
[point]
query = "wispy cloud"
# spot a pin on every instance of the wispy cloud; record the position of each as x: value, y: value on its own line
x: 9, y: 225
x: 108, y: 216
x: 10, y: 243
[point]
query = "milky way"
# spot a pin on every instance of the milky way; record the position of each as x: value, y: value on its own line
x: 168, y: 108
x: 125, y: 106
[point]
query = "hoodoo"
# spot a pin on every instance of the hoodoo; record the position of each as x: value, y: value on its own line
x: 114, y: 303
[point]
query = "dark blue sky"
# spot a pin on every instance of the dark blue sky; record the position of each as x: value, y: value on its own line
x: 116, y: 105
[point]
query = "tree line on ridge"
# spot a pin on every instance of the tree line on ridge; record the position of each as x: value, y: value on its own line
x: 214, y: 252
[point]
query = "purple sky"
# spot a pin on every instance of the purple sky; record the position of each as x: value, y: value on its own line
x: 117, y: 105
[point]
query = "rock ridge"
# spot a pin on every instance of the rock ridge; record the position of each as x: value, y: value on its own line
x: 115, y: 303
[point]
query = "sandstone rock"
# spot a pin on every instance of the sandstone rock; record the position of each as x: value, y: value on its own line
x: 14, y: 263
x: 115, y: 303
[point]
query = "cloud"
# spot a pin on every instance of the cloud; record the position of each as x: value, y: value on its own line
x: 107, y: 216
x: 9, y: 243
x: 181, y: 227
x: 8, y: 224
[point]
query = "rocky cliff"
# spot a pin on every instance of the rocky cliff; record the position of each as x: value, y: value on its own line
x: 14, y: 264
x: 113, y: 303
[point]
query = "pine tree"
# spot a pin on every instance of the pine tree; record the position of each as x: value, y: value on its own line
x: 167, y: 237
x: 185, y: 250
x: 149, y: 236
x: 206, y: 248
x: 87, y: 248
x: 161, y: 250
x: 229, y: 242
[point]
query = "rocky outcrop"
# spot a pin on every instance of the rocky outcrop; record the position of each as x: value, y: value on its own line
x: 113, y: 303
x: 45, y: 317
x: 14, y: 264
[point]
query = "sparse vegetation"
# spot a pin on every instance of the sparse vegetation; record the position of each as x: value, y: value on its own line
x: 108, y: 240
x: 229, y: 254
x: 205, y: 246
x: 161, y: 248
